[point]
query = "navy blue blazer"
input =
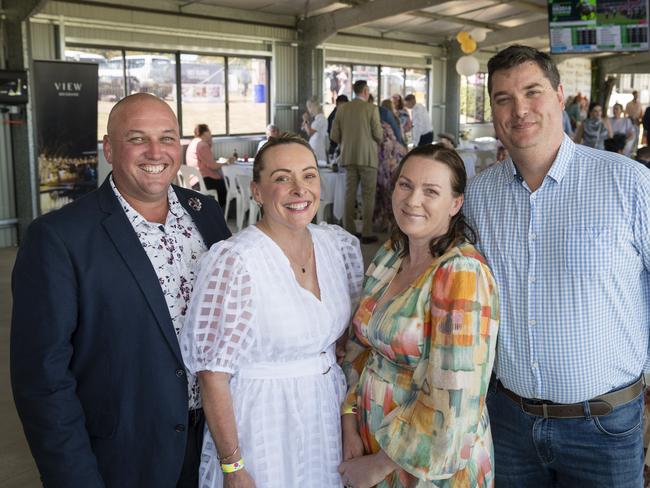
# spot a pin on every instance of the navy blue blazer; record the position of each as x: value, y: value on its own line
x: 96, y: 369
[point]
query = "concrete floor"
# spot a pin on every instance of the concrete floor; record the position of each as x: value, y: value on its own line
x: 17, y: 467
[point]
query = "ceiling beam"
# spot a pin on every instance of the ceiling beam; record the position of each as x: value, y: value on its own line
x: 19, y: 10
x: 530, y: 6
x: 318, y: 29
x: 516, y: 34
x: 396, y: 35
x: 456, y: 20
x: 622, y: 63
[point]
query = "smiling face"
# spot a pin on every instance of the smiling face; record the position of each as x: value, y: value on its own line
x: 526, y: 110
x: 288, y: 187
x: 143, y: 146
x: 423, y: 200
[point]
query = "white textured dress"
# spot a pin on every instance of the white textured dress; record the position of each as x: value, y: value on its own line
x: 250, y: 317
x: 319, y: 140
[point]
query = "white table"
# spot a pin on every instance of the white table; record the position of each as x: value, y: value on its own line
x: 476, y: 160
x: 333, y: 190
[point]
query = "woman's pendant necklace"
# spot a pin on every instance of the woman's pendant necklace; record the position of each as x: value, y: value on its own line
x: 303, y: 267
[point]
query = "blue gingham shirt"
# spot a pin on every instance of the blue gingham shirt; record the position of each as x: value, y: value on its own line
x: 571, y: 260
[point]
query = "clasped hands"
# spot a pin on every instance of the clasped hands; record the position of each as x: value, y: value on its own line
x: 357, y: 470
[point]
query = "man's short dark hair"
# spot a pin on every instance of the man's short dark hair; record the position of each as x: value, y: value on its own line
x: 342, y: 99
x: 409, y: 98
x: 616, y: 143
x: 643, y: 154
x: 517, y: 54
x: 359, y: 86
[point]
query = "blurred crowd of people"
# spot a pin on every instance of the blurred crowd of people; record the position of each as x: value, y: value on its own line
x: 400, y: 120
x: 589, y: 124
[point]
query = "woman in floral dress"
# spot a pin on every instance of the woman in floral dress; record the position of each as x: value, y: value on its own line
x: 423, y: 339
x: 391, y: 151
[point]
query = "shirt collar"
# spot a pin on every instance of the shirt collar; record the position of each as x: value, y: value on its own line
x: 175, y: 207
x: 558, y: 168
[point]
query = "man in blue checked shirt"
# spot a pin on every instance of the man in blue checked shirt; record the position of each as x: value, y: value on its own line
x: 566, y: 230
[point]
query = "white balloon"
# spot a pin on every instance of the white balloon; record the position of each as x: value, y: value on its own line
x: 478, y: 34
x: 467, y: 65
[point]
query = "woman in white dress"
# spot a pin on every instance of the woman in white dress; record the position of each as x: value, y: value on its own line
x: 268, y: 307
x: 315, y: 125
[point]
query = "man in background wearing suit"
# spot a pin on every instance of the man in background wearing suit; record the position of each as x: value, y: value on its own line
x: 100, y: 293
x: 357, y: 128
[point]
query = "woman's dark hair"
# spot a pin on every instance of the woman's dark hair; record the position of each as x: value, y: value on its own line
x: 459, y: 230
x: 284, y: 138
x: 201, y: 129
x: 592, y: 106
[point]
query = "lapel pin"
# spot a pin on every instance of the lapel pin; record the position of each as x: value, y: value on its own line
x: 195, y: 203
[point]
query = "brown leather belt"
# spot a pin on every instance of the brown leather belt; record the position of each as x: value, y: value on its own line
x: 598, y: 406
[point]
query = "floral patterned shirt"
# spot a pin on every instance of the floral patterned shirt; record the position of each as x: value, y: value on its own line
x: 174, y: 250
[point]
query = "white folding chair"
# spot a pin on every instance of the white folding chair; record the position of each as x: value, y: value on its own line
x: 245, y: 201
x: 189, y: 176
x: 231, y: 188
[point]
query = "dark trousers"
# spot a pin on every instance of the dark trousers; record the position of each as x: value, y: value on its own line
x: 190, y: 472
x: 367, y: 176
x: 425, y: 139
x: 220, y: 186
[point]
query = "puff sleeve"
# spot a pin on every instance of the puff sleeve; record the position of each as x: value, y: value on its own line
x: 218, y: 331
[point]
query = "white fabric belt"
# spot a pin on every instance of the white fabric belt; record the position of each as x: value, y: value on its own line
x: 267, y: 370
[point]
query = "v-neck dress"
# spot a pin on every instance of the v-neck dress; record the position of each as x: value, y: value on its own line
x: 250, y: 317
x: 418, y: 368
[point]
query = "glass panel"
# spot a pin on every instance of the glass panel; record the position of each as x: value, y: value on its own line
x: 370, y: 74
x: 392, y: 82
x: 154, y: 73
x: 203, y: 88
x: 474, y: 101
x: 247, y: 95
x: 111, y: 79
x: 417, y: 83
x: 336, y: 81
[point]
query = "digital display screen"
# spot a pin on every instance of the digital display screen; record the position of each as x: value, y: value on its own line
x: 584, y: 26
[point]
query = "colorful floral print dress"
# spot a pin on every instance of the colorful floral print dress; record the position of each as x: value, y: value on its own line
x: 418, y: 369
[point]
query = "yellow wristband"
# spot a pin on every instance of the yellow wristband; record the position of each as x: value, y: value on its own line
x: 349, y: 409
x: 231, y: 468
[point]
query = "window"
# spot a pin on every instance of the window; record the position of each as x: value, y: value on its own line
x: 154, y: 73
x: 474, y: 100
x: 230, y: 94
x: 392, y: 82
x: 417, y: 83
x: 384, y: 81
x: 247, y: 95
x: 370, y: 74
x: 336, y: 81
x: 203, y: 91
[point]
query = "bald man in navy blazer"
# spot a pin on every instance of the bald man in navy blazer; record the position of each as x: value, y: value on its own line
x: 100, y: 290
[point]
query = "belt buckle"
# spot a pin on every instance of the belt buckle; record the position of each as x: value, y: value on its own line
x: 324, y: 358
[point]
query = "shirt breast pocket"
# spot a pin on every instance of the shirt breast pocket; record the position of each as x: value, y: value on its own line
x: 588, y: 250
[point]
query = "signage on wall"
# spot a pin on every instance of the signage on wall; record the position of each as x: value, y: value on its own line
x: 66, y: 121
